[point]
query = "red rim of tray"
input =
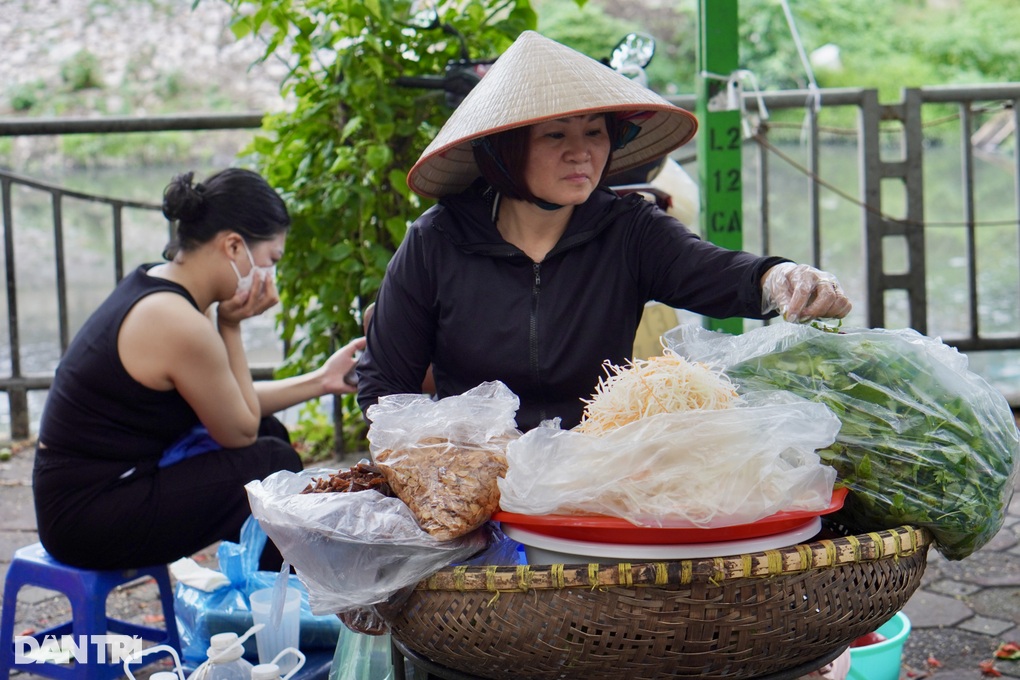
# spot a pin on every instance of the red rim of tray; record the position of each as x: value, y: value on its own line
x: 605, y: 529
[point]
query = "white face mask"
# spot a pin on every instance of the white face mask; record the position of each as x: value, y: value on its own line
x: 244, y: 282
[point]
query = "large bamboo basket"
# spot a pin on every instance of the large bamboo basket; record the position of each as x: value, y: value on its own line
x: 742, y: 616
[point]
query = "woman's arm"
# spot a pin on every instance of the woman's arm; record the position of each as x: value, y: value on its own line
x: 686, y: 271
x: 401, y: 336
x: 166, y: 344
x: 276, y: 395
x: 678, y: 268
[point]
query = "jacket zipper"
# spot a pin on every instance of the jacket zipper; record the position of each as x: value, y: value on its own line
x: 536, y: 288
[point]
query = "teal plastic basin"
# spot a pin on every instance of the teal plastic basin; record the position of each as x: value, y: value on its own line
x: 882, y: 660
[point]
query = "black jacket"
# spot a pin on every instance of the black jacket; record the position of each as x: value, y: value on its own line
x: 457, y: 295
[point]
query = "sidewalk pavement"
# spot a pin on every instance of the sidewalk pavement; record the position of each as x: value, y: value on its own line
x: 960, y: 615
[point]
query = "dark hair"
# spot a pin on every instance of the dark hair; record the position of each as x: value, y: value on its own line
x: 502, y: 157
x: 234, y: 199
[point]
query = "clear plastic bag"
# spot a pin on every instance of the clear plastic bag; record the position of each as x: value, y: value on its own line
x: 924, y: 441
x: 501, y: 551
x: 442, y: 458
x: 703, y: 468
x: 351, y: 550
x: 362, y: 657
x: 479, y: 416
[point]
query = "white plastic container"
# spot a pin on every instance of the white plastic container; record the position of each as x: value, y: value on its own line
x: 265, y: 671
x: 542, y: 549
x: 271, y: 671
x: 225, y: 660
x: 176, y: 674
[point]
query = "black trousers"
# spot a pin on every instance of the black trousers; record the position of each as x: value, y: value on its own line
x: 101, y: 514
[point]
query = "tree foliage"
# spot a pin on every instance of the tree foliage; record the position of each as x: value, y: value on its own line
x: 884, y: 44
x: 595, y: 28
x: 340, y: 151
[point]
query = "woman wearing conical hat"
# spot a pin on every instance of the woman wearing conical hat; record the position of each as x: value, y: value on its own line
x: 529, y: 270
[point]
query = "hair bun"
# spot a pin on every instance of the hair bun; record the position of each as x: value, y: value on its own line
x: 181, y: 200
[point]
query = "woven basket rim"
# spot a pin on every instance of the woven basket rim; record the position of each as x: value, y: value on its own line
x: 825, y: 553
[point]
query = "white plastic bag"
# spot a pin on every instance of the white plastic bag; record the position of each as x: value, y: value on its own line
x: 351, y: 550
x: 707, y: 468
x: 477, y: 417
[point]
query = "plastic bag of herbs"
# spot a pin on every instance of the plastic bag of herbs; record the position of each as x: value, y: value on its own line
x: 924, y: 440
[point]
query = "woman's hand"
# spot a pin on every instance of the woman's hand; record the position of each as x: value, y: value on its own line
x: 276, y: 395
x: 337, y: 366
x: 245, y: 304
x: 801, y: 293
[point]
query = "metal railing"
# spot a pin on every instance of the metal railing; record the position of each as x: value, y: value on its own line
x: 889, y: 282
x: 884, y: 233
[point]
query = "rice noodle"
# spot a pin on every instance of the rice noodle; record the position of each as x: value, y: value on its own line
x: 645, y: 387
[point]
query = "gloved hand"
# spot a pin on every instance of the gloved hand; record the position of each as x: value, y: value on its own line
x: 838, y: 669
x: 801, y: 293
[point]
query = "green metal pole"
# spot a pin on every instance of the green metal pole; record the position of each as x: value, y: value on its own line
x: 720, y: 137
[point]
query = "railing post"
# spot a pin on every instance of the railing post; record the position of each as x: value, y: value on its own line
x: 969, y: 217
x: 812, y: 185
x: 118, y: 241
x: 61, y: 270
x: 17, y: 395
x: 913, y: 179
x: 879, y: 230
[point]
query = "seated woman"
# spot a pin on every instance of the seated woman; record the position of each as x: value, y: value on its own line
x: 153, y: 424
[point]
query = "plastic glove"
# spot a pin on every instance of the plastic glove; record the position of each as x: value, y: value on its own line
x: 801, y: 293
x: 838, y: 669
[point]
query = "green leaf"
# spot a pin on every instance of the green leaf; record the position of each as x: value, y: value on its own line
x: 378, y: 156
x: 351, y: 127
x: 339, y: 252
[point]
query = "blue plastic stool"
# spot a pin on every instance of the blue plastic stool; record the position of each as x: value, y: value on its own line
x: 87, y: 591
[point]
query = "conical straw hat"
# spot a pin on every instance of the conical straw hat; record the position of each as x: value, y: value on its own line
x: 538, y: 79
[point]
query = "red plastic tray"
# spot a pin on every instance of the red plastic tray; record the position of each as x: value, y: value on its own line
x: 604, y: 529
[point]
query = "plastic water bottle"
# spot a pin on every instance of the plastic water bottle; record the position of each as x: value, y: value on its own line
x: 271, y: 670
x: 225, y: 660
x: 265, y: 671
x: 176, y: 674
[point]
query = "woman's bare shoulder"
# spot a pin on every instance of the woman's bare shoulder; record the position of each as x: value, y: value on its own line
x: 161, y: 331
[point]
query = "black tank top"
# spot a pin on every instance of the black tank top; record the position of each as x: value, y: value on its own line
x: 95, y: 408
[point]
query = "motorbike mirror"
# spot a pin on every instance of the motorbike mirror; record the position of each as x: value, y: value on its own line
x: 635, y: 49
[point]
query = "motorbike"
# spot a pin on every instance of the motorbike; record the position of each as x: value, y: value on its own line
x: 663, y: 181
